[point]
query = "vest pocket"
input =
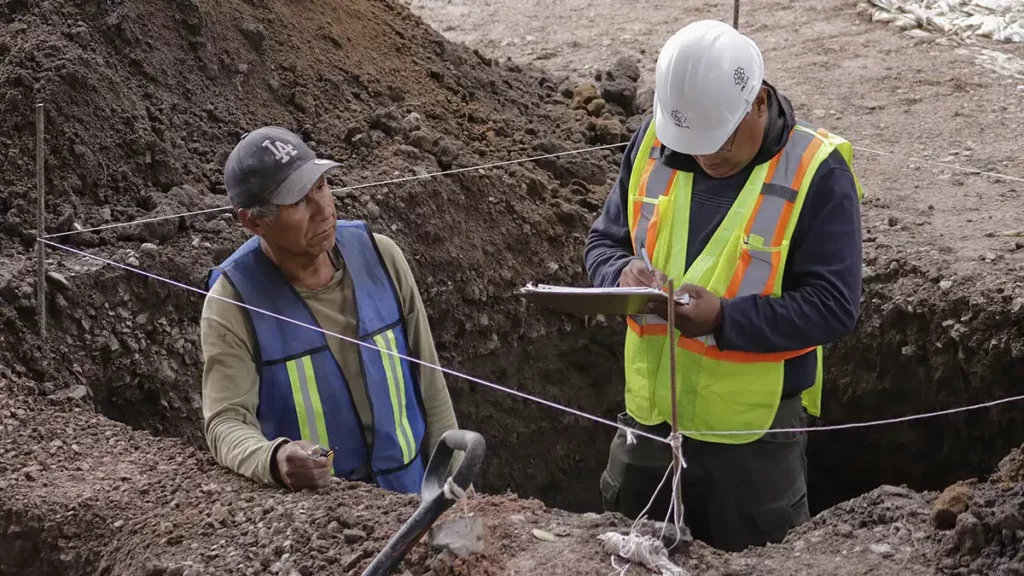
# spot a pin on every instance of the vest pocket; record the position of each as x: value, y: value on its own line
x: 758, y: 268
x: 737, y: 397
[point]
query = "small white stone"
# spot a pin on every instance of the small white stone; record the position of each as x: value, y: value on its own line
x: 880, y: 548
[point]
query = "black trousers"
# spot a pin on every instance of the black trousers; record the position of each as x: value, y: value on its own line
x: 734, y: 495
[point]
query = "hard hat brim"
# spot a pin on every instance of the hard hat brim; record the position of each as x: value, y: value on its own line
x: 688, y: 140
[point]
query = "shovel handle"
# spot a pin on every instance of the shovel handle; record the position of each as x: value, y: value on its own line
x: 433, y: 500
x: 467, y: 441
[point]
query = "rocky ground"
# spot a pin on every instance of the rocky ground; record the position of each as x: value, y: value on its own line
x: 144, y: 101
x: 86, y: 495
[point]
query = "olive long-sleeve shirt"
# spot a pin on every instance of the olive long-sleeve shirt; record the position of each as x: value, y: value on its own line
x: 231, y: 380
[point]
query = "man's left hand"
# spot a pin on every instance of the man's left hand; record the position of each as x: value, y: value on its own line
x: 699, y: 317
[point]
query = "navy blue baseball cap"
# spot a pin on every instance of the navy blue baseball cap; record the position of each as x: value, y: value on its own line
x: 272, y: 165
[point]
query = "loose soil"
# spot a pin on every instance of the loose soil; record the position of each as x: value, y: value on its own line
x: 144, y: 102
x: 86, y: 495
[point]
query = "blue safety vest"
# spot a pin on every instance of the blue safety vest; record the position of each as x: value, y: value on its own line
x: 303, y: 393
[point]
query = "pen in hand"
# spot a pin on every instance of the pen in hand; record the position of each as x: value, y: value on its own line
x: 647, y: 260
x: 684, y: 299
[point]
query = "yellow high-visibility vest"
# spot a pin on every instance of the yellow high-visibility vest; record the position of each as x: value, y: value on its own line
x: 719, y: 390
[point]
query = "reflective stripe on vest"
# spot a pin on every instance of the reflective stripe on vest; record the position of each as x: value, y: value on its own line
x: 767, y: 226
x: 310, y: 410
x: 396, y: 387
x: 303, y: 393
x: 657, y: 180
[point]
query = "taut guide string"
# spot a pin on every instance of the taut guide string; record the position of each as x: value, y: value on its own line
x: 493, y: 165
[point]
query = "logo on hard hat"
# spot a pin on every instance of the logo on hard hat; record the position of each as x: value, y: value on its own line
x: 739, y: 76
x: 679, y: 119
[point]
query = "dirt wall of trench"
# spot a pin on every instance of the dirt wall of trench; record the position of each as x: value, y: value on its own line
x: 921, y: 348
x: 907, y: 356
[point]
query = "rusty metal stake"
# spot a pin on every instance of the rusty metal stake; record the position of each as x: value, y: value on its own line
x: 672, y: 349
x: 40, y: 221
x: 676, y: 461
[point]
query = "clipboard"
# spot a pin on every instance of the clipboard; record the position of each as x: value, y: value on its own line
x: 616, y: 301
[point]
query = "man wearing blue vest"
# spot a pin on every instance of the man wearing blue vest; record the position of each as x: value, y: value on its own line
x: 278, y: 395
x: 755, y: 216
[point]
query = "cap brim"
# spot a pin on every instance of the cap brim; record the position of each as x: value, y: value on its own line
x: 300, y: 182
x: 692, y: 142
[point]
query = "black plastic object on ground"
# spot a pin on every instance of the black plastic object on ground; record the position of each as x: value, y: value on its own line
x: 435, y: 502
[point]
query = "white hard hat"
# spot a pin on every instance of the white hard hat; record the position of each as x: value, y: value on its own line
x: 706, y: 80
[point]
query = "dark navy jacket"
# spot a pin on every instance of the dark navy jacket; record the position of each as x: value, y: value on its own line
x: 822, y: 281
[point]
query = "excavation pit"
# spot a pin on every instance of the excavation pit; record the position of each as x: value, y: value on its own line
x: 539, y: 452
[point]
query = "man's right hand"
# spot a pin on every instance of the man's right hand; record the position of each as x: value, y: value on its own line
x: 635, y: 275
x: 298, y: 471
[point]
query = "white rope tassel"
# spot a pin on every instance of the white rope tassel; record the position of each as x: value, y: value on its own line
x: 648, y: 550
x: 452, y: 491
x: 644, y: 550
x: 675, y: 512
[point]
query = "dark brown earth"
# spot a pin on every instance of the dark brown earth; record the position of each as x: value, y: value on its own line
x: 144, y: 102
x: 85, y: 495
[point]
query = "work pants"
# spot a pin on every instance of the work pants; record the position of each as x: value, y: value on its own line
x: 734, y: 495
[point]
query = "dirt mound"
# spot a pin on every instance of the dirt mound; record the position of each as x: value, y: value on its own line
x: 145, y: 101
x: 80, y: 494
x: 983, y: 523
x: 1010, y: 469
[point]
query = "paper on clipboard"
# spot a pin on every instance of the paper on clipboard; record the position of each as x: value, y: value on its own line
x: 593, y: 301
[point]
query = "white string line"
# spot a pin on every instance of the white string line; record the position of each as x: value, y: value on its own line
x: 356, y: 187
x: 143, y: 221
x: 361, y: 343
x: 481, y: 167
x: 864, y: 424
x: 943, y: 164
x: 495, y: 164
x: 541, y: 400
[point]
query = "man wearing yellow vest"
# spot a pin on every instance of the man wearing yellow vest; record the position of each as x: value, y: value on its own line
x: 756, y: 217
